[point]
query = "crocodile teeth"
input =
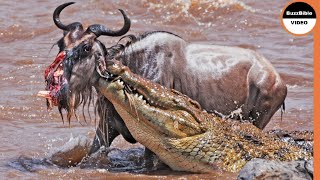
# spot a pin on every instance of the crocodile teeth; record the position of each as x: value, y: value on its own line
x: 140, y: 97
x: 136, y: 95
x: 120, y: 82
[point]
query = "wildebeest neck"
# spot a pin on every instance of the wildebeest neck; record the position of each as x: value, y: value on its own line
x: 147, y: 56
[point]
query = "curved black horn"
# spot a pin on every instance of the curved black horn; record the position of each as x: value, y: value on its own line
x: 99, y: 30
x: 56, y: 14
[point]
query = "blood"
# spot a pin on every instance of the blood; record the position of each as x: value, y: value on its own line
x: 50, y: 69
x: 55, y: 80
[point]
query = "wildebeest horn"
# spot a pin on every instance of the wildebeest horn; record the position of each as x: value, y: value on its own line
x: 56, y: 14
x: 99, y: 30
x: 59, y: 24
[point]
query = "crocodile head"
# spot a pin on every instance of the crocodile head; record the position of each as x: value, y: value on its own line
x: 155, y: 115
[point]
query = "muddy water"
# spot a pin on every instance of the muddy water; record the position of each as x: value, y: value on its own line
x: 27, y: 33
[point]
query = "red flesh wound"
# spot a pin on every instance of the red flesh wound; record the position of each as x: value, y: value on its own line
x: 54, y: 82
x: 50, y: 69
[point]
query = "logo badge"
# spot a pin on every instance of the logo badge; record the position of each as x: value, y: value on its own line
x: 299, y: 18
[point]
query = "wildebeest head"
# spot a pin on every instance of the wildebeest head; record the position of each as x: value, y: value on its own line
x: 78, y: 51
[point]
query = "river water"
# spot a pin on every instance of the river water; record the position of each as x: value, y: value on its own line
x: 27, y: 34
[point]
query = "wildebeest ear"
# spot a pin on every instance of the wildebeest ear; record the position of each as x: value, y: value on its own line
x: 61, y: 44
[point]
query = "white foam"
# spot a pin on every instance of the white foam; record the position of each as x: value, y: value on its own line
x: 237, y: 112
x: 295, y: 86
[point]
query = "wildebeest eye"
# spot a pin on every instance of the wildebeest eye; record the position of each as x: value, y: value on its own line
x: 87, y: 48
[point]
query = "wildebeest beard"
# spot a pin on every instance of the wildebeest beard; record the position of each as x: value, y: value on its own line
x: 60, y: 93
x: 85, y: 96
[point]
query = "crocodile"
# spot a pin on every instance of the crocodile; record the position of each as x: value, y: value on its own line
x: 182, y: 134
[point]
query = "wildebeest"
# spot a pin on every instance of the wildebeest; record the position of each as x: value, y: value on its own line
x: 229, y: 81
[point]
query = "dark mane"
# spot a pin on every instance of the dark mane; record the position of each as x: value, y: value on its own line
x: 146, y: 34
x: 119, y: 48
